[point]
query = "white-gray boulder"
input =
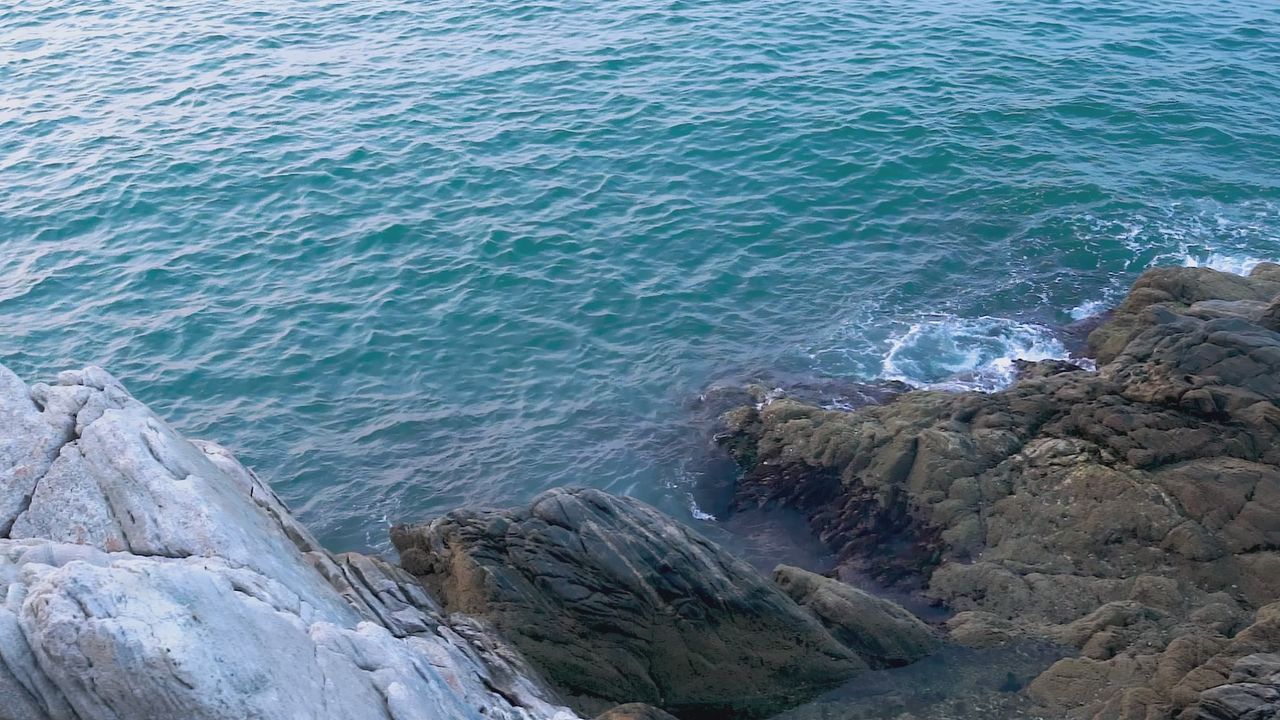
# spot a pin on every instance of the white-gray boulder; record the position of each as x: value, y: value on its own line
x: 143, y: 576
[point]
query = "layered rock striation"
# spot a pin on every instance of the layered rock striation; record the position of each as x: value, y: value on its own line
x: 1132, y: 513
x: 615, y: 602
x: 148, y: 576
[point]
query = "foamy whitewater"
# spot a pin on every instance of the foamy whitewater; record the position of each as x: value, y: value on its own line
x: 967, y: 353
x: 962, y: 354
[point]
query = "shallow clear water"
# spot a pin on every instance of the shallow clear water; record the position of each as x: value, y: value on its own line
x: 402, y: 256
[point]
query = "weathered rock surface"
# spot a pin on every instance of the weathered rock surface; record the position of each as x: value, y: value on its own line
x: 880, y: 631
x: 1201, y: 292
x: 147, y: 576
x: 1251, y: 693
x: 1132, y: 513
x: 615, y: 602
x: 635, y: 711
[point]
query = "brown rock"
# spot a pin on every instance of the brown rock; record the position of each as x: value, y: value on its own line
x: 1132, y: 513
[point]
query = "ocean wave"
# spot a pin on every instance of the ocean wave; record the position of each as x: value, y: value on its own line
x: 1226, y: 238
x: 954, y: 353
x: 1223, y: 262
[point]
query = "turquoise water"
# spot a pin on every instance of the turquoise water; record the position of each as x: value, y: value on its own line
x: 402, y: 256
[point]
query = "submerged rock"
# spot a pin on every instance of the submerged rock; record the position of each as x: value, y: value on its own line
x: 143, y: 575
x: 1132, y: 513
x: 614, y: 602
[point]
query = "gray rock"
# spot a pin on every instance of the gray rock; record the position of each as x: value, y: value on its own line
x: 1270, y: 317
x: 146, y: 576
x: 1252, y: 692
x: 880, y: 631
x: 616, y: 603
x: 1252, y: 310
x: 1179, y: 288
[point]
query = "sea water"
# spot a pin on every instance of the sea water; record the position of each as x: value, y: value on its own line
x: 407, y: 256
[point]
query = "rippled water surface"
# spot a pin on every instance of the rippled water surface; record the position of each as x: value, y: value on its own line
x: 403, y: 256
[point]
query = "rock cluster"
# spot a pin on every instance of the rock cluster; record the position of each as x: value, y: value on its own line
x: 143, y: 576
x: 614, y: 602
x: 149, y: 576
x: 1132, y: 513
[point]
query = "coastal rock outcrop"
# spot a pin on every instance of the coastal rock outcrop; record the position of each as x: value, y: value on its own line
x: 1132, y: 513
x: 148, y: 576
x: 614, y: 602
x: 880, y: 631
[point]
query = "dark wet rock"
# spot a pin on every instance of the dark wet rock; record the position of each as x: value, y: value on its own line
x: 766, y: 539
x: 616, y: 603
x: 1131, y: 513
x: 880, y: 631
x: 1045, y: 368
x: 635, y: 711
x: 1075, y: 335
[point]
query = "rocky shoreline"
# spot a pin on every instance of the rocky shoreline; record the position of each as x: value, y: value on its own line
x: 1131, y: 514
x: 1102, y: 545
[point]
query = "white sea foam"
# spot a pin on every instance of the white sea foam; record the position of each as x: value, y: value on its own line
x: 1223, y: 262
x: 687, y: 480
x: 1198, y: 234
x: 952, y: 353
x: 1089, y: 309
x: 697, y: 512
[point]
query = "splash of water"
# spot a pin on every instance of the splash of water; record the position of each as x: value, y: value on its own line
x: 954, y: 353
